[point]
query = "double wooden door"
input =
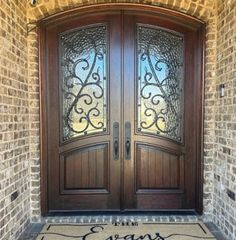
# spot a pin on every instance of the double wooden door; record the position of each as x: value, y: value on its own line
x: 121, y: 113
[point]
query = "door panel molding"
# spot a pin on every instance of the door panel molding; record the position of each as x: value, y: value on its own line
x: 161, y: 170
x: 165, y: 19
x: 93, y: 161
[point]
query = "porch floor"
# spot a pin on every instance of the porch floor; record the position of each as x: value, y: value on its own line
x: 34, y: 228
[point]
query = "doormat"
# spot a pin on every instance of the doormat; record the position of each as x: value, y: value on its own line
x: 126, y: 231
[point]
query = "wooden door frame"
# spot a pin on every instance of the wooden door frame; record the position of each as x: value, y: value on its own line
x: 185, y: 20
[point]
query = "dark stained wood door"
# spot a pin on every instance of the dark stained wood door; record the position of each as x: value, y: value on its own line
x: 123, y: 112
x: 84, y: 89
x: 160, y: 96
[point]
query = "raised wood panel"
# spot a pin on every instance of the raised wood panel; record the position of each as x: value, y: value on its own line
x: 85, y: 169
x: 157, y: 169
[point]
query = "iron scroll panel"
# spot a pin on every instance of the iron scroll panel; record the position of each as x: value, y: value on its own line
x: 160, y: 77
x: 83, y: 81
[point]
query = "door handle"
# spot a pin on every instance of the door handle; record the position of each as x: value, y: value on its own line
x: 127, y: 148
x: 116, y: 140
x: 127, y: 140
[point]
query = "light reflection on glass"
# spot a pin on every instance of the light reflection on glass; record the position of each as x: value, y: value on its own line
x: 83, y: 55
x: 160, y: 82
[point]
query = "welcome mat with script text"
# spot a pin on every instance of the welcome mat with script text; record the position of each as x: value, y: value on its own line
x: 126, y: 231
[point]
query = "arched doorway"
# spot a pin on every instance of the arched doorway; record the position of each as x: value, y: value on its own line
x: 122, y: 110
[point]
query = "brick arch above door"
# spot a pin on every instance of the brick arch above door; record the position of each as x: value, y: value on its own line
x: 202, y: 9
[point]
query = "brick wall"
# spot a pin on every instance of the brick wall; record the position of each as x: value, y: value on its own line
x: 224, y: 213
x: 19, y: 107
x: 34, y: 122
x: 14, y: 119
x: 199, y: 8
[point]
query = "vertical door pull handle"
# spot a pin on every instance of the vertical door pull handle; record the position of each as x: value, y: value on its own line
x: 127, y: 148
x: 116, y: 141
x: 127, y: 140
x: 116, y: 150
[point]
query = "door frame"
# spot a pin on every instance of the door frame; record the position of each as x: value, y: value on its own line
x: 198, y: 77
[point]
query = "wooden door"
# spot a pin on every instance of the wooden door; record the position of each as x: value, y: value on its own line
x: 161, y: 102
x: 123, y: 111
x: 83, y: 102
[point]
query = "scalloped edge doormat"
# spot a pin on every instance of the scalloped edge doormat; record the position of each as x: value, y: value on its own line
x: 126, y: 231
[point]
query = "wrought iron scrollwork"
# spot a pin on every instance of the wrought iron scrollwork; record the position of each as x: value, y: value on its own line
x: 83, y: 59
x: 160, y: 82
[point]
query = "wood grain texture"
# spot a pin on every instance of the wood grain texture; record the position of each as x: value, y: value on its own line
x: 85, y: 169
x: 157, y: 169
x: 163, y: 202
